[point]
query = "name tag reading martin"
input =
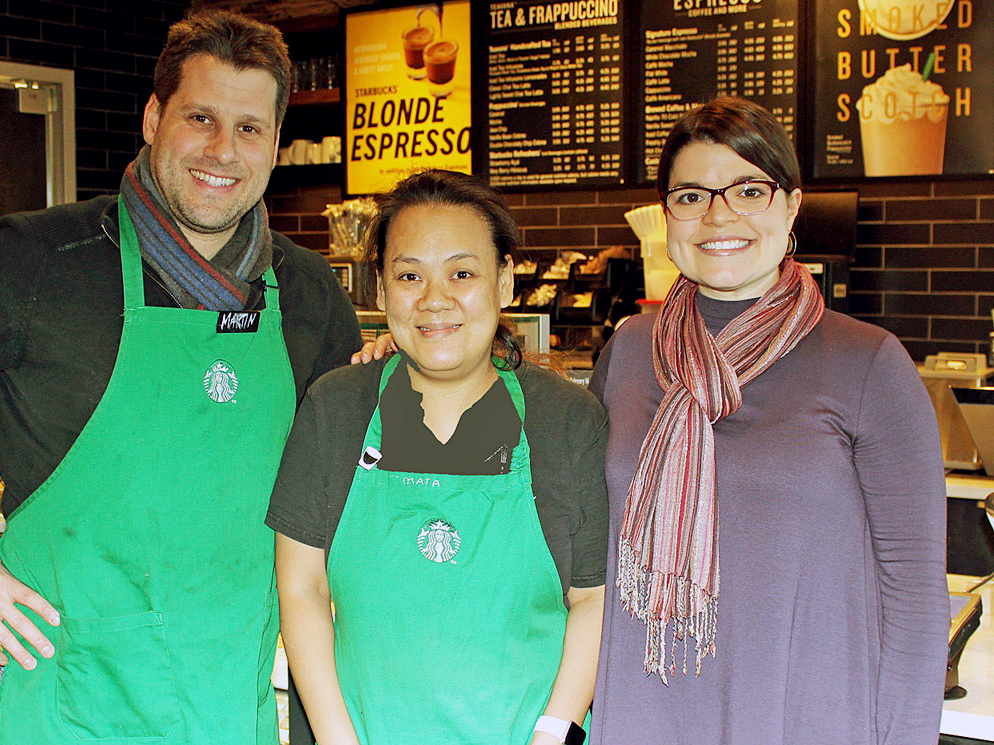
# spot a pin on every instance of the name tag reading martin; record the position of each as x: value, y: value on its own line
x: 237, y: 322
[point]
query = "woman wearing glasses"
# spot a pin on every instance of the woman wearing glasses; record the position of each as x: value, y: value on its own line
x: 776, y: 565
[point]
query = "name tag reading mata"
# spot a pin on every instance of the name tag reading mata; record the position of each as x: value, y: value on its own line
x: 238, y: 322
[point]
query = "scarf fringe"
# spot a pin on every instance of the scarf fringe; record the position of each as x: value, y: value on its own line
x: 696, y: 615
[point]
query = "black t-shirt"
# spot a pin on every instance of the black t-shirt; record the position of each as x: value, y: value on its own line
x: 481, y: 445
x: 567, y: 434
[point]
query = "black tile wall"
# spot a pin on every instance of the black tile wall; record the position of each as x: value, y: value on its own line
x: 924, y: 264
x: 111, y: 45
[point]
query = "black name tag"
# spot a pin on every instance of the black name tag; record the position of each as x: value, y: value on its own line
x: 238, y: 322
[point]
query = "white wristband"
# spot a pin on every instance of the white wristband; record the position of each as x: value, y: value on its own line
x: 553, y: 726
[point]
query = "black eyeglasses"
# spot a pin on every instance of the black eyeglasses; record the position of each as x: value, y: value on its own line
x: 743, y: 198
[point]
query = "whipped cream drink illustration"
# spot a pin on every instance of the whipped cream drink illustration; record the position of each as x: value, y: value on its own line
x: 902, y: 122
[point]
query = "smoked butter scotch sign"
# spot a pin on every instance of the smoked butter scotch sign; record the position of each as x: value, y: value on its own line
x: 903, y: 88
x: 554, y: 83
x: 407, y: 93
x: 693, y: 50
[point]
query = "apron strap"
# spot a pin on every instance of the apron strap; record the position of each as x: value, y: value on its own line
x: 131, y: 260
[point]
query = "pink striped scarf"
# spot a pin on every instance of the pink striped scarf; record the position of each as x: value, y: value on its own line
x: 668, y: 552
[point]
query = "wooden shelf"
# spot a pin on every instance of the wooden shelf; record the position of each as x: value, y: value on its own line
x: 320, y: 97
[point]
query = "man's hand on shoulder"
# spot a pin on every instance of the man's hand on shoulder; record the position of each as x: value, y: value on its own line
x: 12, y: 593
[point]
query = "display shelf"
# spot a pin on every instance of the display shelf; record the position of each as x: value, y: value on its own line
x: 320, y: 97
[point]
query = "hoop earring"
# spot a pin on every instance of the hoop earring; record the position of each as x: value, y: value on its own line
x: 791, y: 244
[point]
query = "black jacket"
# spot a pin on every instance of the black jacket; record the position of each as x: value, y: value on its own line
x: 61, y: 306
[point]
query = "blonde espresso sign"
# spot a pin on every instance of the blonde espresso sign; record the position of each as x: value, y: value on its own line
x: 407, y: 93
x: 903, y: 88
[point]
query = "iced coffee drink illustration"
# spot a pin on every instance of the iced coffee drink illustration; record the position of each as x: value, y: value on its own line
x: 902, y: 123
x: 415, y: 41
x: 440, y: 62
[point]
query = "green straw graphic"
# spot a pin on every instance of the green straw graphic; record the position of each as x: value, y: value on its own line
x: 929, y: 64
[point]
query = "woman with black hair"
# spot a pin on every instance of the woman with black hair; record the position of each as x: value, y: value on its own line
x: 449, y: 502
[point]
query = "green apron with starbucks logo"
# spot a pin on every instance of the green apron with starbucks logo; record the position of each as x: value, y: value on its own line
x: 449, y: 614
x: 149, y: 539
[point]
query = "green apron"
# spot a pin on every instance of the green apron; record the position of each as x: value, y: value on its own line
x: 149, y: 538
x: 449, y: 615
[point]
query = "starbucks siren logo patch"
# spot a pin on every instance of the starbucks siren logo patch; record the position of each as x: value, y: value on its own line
x: 438, y: 541
x: 220, y: 382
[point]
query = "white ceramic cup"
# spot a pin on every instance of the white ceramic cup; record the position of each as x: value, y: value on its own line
x: 331, y: 149
x: 298, y: 151
x: 314, y: 153
x: 283, y: 156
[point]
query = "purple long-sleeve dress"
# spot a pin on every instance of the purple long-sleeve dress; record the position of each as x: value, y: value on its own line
x: 833, y: 613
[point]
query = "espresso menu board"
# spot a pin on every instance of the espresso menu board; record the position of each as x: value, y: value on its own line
x: 555, y: 79
x: 902, y: 88
x: 408, y: 93
x: 693, y: 50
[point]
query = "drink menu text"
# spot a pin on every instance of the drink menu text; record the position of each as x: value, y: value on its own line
x: 693, y: 50
x: 554, y: 104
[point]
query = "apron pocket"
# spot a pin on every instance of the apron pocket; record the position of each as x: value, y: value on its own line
x: 114, y: 680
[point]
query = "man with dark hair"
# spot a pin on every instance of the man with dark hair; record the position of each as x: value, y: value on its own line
x: 153, y: 348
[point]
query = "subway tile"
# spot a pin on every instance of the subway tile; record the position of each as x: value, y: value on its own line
x: 64, y: 33
x: 560, y: 197
x: 927, y: 210
x: 537, y: 216
x: 985, y: 257
x: 969, y: 187
x: 987, y: 209
x: 279, y: 204
x: 866, y: 304
x: 629, y: 196
x: 883, y: 281
x: 124, y: 121
x: 103, y: 60
x: 919, y: 350
x: 98, y: 179
x: 126, y: 82
x: 559, y: 237
x: 314, y: 241
x: 610, y: 215
x: 44, y: 10
x: 919, y: 304
x: 86, y: 158
x: 314, y: 223
x: 955, y: 281
x: 113, y: 23
x: 58, y: 55
x: 23, y: 28
x: 102, y: 139
x: 119, y: 161
x: 905, y: 327
x: 93, y: 79
x: 513, y: 200
x: 868, y: 256
x: 88, y: 119
x: 977, y: 232
x: 106, y: 100
x: 899, y: 257
x: 870, y: 211
x: 985, y: 304
x: 894, y: 189
x: 886, y: 234
x: 961, y: 329
x: 284, y: 223
x: 610, y: 236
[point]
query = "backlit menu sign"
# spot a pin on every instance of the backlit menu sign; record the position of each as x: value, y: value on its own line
x: 693, y: 50
x: 407, y: 93
x: 903, y: 88
x: 555, y: 112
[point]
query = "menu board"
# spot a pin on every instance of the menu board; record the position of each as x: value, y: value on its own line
x: 407, y: 93
x: 902, y: 88
x: 554, y: 106
x: 693, y: 50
